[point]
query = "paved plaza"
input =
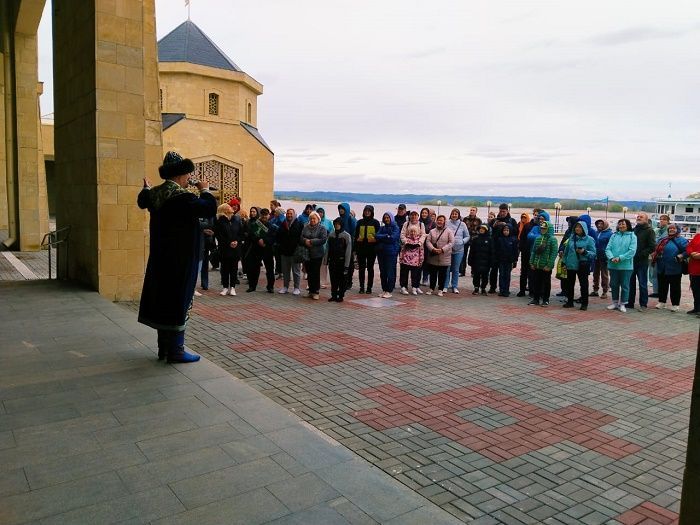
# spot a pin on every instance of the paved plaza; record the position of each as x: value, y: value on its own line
x: 430, y: 410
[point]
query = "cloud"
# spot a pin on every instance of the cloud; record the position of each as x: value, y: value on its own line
x: 405, y: 163
x: 514, y: 156
x: 424, y: 53
x: 639, y: 34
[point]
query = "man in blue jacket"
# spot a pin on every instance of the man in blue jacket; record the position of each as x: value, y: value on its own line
x: 601, y: 276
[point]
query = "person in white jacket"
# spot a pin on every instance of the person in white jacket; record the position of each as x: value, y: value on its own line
x: 461, y: 234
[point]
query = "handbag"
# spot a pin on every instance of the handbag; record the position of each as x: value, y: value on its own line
x: 684, y: 261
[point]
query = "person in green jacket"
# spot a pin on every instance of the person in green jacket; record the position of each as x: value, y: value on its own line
x: 620, y: 255
x: 577, y: 257
x: 542, y: 259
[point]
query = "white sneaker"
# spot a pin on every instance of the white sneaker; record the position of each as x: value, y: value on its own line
x: 224, y: 291
x: 674, y: 308
x: 455, y: 290
x: 296, y: 291
x: 415, y: 291
x: 387, y: 295
x: 444, y: 290
x: 197, y: 294
x: 429, y: 292
x: 404, y: 291
x: 418, y: 291
x: 661, y: 306
x: 613, y: 306
x: 440, y: 293
x: 232, y: 291
x: 622, y: 308
x: 283, y: 290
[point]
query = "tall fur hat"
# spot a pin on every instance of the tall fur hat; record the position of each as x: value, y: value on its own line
x: 174, y: 165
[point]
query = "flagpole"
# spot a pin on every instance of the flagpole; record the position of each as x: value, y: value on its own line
x: 187, y: 3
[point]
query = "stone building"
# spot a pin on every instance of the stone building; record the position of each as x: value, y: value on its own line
x: 210, y: 108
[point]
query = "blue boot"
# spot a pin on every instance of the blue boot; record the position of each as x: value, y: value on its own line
x: 182, y: 357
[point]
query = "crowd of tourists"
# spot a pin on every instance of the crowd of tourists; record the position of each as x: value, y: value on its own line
x: 432, y: 252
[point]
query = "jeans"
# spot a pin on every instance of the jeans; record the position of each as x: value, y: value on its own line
x: 313, y: 273
x: 437, y: 276
x: 541, y: 284
x: 674, y: 283
x: 653, y: 278
x: 453, y: 272
x: 570, y: 282
x: 504, y: 271
x: 639, y: 272
x: 365, y: 260
x: 387, y: 272
x: 415, y: 272
x: 288, y: 265
x: 620, y: 285
x: 601, y: 275
x: 695, y: 287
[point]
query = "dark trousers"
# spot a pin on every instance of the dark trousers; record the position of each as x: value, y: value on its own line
x: 351, y: 271
x: 525, y: 272
x: 204, y: 272
x: 366, y: 258
x: 480, y: 278
x: 493, y: 277
x: 463, y: 264
x: 336, y: 272
x: 387, y: 272
x: 570, y: 282
x: 268, y: 260
x: 640, y: 273
x: 695, y: 287
x: 278, y: 260
x: 313, y: 274
x: 414, y: 271
x: 228, y: 267
x: 672, y: 282
x: 437, y: 276
x: 541, y: 283
x: 170, y: 342
x: 504, y: 271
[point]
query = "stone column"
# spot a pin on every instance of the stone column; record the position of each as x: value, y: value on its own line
x: 107, y: 136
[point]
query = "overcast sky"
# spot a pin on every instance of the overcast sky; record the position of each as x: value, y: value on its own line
x: 536, y: 98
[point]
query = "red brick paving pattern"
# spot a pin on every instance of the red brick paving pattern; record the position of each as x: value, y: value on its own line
x: 648, y: 514
x: 536, y: 427
x: 665, y: 383
x: 477, y: 328
x: 238, y: 312
x: 667, y: 343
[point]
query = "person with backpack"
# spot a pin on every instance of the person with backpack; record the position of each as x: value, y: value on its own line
x: 669, y: 257
x: 601, y: 275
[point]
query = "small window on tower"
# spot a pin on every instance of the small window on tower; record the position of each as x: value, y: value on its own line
x: 160, y: 95
x: 250, y: 113
x: 213, y: 104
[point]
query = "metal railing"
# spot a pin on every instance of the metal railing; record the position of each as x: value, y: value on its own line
x: 57, y: 239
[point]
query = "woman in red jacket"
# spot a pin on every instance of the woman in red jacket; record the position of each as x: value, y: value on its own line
x: 693, y: 251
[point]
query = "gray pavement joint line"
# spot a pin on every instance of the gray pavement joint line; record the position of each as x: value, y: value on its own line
x: 19, y: 266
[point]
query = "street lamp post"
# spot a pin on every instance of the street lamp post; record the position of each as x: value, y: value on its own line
x: 439, y: 203
x: 624, y: 212
x: 488, y: 205
x: 510, y: 205
x: 589, y: 211
x: 557, y: 211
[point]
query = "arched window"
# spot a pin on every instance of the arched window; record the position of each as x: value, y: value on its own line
x: 213, y: 104
x: 249, y: 114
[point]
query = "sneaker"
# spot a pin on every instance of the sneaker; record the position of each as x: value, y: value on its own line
x: 593, y: 294
x: 521, y: 293
x: 475, y: 292
x: 455, y: 290
x: 545, y: 303
x: 224, y: 291
x: 197, y: 294
x: 283, y: 290
x: 315, y: 297
x: 362, y: 289
x: 492, y: 290
x: 567, y: 305
x: 622, y: 308
x: 661, y: 306
x: 296, y: 291
x: 388, y: 295
x: 613, y: 306
x: 483, y: 292
x: 331, y: 299
x: 440, y: 293
x: 182, y: 357
x: 250, y: 290
x: 444, y: 290
x: 429, y: 292
x: 583, y: 307
x: 232, y: 291
x: 604, y: 295
x: 641, y: 308
x: 404, y: 291
x: 415, y: 291
x: 693, y: 311
x: 675, y: 308
x: 534, y: 302
x: 418, y: 290
x: 424, y: 282
x: 369, y: 291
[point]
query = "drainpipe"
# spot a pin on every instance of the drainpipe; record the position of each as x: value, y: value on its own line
x: 8, y: 47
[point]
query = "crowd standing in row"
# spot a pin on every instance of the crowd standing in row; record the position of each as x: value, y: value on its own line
x: 432, y: 252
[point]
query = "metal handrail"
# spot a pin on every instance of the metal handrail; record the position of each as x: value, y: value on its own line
x: 55, y: 239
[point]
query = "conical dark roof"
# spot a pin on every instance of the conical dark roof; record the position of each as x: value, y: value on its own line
x: 188, y: 43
